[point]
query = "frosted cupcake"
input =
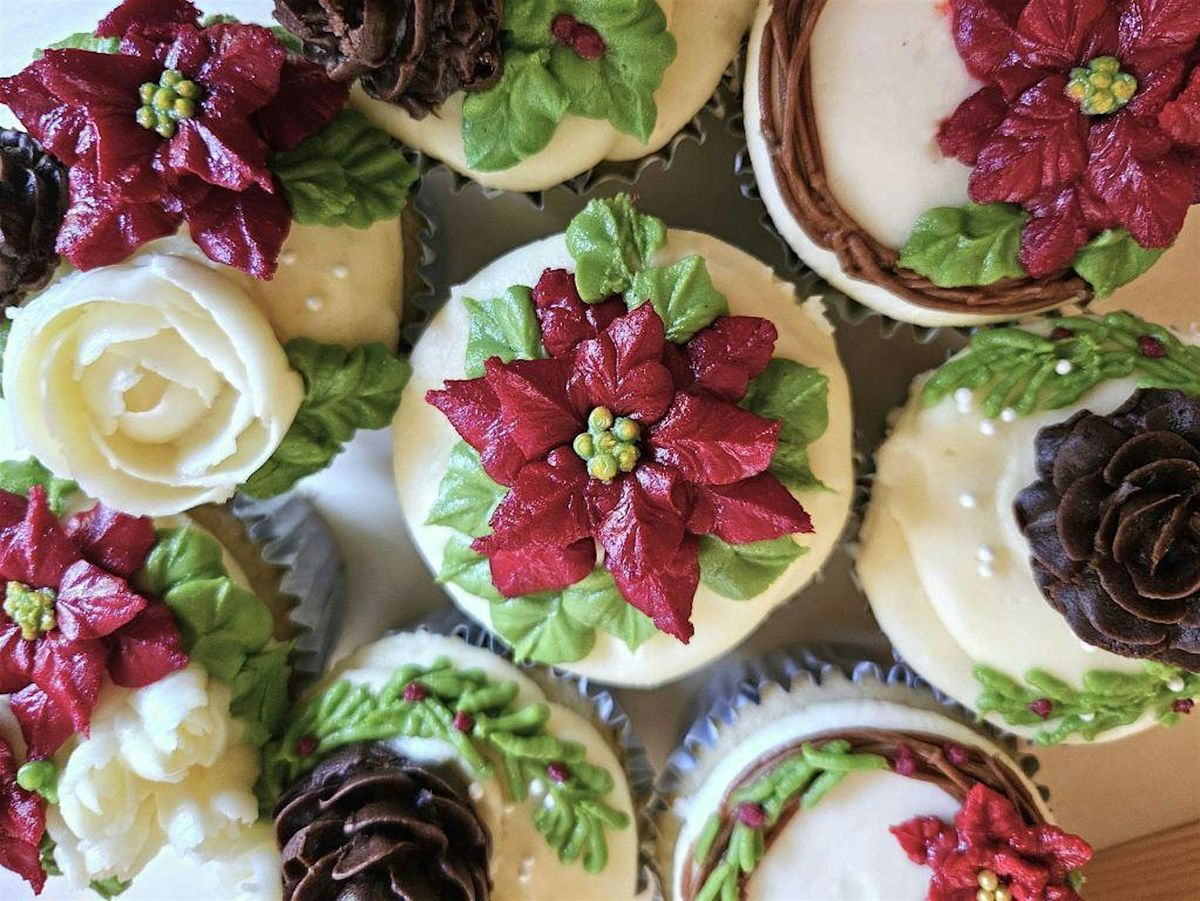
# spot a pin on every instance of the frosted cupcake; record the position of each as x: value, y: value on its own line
x: 840, y: 789
x: 624, y: 446
x: 1031, y: 544
x: 990, y: 159
x: 164, y: 367
x: 523, y: 95
x: 426, y: 766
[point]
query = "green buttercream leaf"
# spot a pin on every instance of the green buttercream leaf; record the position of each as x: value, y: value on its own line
x: 260, y: 693
x: 956, y: 247
x: 683, y: 296
x: 517, y: 117
x: 467, y: 569
x: 345, y: 390
x: 744, y: 571
x: 610, y: 241
x: 109, y: 888
x: 181, y: 555
x: 289, y: 40
x: 798, y: 397
x: 349, y: 173
x: 467, y: 495
x: 505, y: 327
x: 19, y: 476
x: 82, y: 40
x: 1112, y: 259
x: 539, y: 628
x: 221, y: 623
x: 596, y: 602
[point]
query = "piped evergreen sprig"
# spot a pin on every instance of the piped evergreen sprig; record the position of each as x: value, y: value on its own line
x: 1017, y: 369
x: 479, y: 717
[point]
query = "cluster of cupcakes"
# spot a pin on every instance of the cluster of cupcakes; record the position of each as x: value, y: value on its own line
x: 619, y: 449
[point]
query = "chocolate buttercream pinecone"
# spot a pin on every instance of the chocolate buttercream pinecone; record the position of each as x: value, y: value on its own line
x: 33, y: 199
x: 368, y: 825
x: 414, y: 53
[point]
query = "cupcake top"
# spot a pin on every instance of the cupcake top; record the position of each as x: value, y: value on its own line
x: 428, y: 767
x: 1013, y: 162
x: 523, y: 95
x: 162, y: 369
x: 1031, y: 544
x: 625, y: 487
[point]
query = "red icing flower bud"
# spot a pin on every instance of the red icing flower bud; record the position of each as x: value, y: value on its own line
x: 557, y: 772
x: 1151, y: 347
x: 583, y: 39
x: 1042, y: 707
x: 1183, y: 705
x: 414, y: 691
x: 463, y: 721
x: 752, y: 815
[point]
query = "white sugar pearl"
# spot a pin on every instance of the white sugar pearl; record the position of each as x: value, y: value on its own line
x: 475, y: 790
x: 537, y: 788
x: 1063, y: 367
x: 985, y: 569
x: 963, y: 398
x: 525, y: 873
x: 968, y: 500
x: 1087, y: 717
x: 985, y: 554
x: 314, y: 303
x: 1008, y: 414
x: 987, y: 427
x: 288, y: 258
x: 1175, y: 684
x: 340, y: 271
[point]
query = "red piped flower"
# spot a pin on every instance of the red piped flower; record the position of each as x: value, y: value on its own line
x: 68, y: 616
x: 131, y: 184
x: 22, y: 824
x: 699, y: 466
x: 1033, y: 862
x: 1032, y: 143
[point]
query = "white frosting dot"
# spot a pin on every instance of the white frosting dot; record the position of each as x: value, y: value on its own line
x: 985, y: 569
x: 1008, y: 414
x: 987, y: 427
x: 525, y: 871
x: 1063, y: 367
x: 985, y: 554
x: 537, y: 788
x: 1087, y: 717
x: 1175, y: 684
x: 968, y: 501
x: 314, y: 303
x: 340, y: 271
x: 288, y: 258
x: 475, y: 790
x: 963, y: 398
x: 549, y: 802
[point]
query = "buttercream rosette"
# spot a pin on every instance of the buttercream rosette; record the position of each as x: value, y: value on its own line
x: 524, y: 95
x: 230, y: 311
x: 1015, y: 157
x: 1030, y: 542
x: 612, y: 459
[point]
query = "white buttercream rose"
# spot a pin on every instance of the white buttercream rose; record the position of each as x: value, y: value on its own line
x: 157, y: 384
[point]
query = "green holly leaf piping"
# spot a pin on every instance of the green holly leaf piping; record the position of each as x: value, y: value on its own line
x: 349, y: 173
x: 505, y: 327
x: 744, y: 571
x: 345, y: 390
x: 260, y: 693
x: 504, y: 741
x: 797, y: 397
x: 18, y: 476
x: 682, y: 294
x: 467, y: 495
x: 1107, y: 700
x: 595, y: 601
x: 110, y: 887
x: 82, y: 40
x: 1112, y: 259
x: 977, y: 244
x: 538, y: 627
x: 610, y: 242
x: 468, y: 569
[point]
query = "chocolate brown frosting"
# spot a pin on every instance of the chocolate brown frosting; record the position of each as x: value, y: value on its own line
x: 414, y: 53
x: 790, y: 130
x: 368, y: 825
x: 1113, y: 523
x: 33, y: 199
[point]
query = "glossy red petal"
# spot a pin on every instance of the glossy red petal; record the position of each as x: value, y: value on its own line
x: 1040, y: 146
x: 546, y: 506
x: 45, y: 725
x: 665, y: 593
x: 1181, y: 117
x: 533, y: 399
x: 61, y: 129
x: 924, y: 839
x: 70, y: 673
x: 242, y: 74
x: 147, y: 14
x: 1154, y: 32
x: 639, y: 519
x: 185, y: 48
x: 565, y: 319
x: 123, y: 157
x: 1054, y: 234
x: 36, y: 551
x: 1060, y: 34
x: 113, y: 540
x: 102, y: 82
x: 541, y: 567
x: 243, y: 229
x: 474, y: 411
x: 622, y: 368
x: 220, y: 151
x: 757, y: 509
x: 985, y: 37
x: 307, y: 101
x: 1157, y: 88
x: 968, y: 129
x: 12, y: 509
x: 712, y: 442
x: 93, y: 603
x: 729, y: 353
x: 147, y: 650
x: 22, y: 824
x: 16, y: 657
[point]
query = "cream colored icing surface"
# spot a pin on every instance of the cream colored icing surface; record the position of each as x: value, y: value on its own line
x: 841, y: 848
x: 523, y: 866
x: 424, y: 438
x: 708, y: 33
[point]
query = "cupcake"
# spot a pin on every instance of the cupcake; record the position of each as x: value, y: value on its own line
x: 522, y: 95
x: 163, y: 367
x: 427, y: 766
x: 1032, y: 545
x: 621, y: 487
x: 145, y: 664
x: 862, y: 788
x: 992, y: 159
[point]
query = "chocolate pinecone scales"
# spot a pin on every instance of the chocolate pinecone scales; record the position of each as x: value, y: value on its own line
x: 33, y: 199
x: 414, y: 53
x: 1113, y: 524
x: 368, y: 825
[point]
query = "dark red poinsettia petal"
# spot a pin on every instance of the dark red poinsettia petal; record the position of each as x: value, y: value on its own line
x: 1181, y: 117
x: 755, y: 509
x: 987, y: 815
x: 22, y: 824
x: 147, y: 650
x: 546, y: 506
x: 729, y: 353
x: 12, y: 509
x: 925, y: 839
x: 146, y: 14
x: 111, y: 539
x: 711, y: 442
x: 541, y: 567
x: 1156, y: 89
x: 16, y: 657
x: 533, y: 398
x: 1055, y: 232
x: 677, y: 364
x: 243, y: 72
x: 1059, y: 34
x: 60, y: 129
x: 1040, y: 146
x: 93, y: 603
x: 70, y: 672
x: 474, y: 411
x: 564, y: 318
x: 985, y: 37
x: 220, y: 151
x: 184, y: 48
x: 665, y: 593
x: 307, y: 101
x: 1154, y: 32
x: 621, y: 368
x: 36, y: 551
x: 45, y: 725
x: 965, y: 132
x: 243, y: 229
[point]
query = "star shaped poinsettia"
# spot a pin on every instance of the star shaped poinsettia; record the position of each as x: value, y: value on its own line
x: 69, y: 615
x: 179, y: 125
x: 622, y: 440
x: 989, y: 846
x: 22, y: 824
x: 1089, y: 118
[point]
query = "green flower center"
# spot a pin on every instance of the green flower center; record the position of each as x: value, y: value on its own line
x: 30, y: 608
x: 166, y: 104
x: 609, y: 445
x: 1101, y: 87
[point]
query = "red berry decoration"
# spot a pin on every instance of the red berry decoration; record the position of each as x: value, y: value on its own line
x: 751, y: 814
x: 958, y: 755
x: 1042, y: 707
x: 463, y: 721
x: 1151, y: 347
x: 1061, y: 333
x: 415, y: 691
x: 583, y: 39
x: 904, y: 764
x: 1183, y: 705
x: 557, y: 772
x: 307, y: 746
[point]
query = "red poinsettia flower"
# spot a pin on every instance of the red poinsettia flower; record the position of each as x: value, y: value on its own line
x: 669, y: 454
x: 22, y: 824
x: 69, y: 615
x: 1089, y: 117
x: 990, y: 845
x: 177, y: 126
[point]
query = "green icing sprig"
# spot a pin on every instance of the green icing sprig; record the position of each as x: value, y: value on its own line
x: 803, y: 778
x: 1107, y: 700
x: 479, y: 717
x: 1015, y: 369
